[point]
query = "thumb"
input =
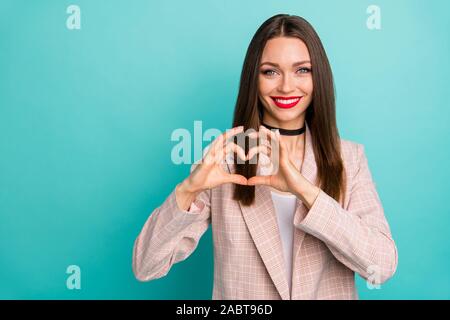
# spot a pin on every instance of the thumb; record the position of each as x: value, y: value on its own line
x: 259, y: 180
x: 236, y: 178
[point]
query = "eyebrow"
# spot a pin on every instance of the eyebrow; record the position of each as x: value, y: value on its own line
x: 277, y: 65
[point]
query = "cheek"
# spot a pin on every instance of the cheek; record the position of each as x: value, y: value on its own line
x: 265, y: 86
x: 307, y: 86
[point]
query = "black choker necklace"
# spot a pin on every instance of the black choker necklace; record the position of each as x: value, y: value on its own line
x: 287, y: 132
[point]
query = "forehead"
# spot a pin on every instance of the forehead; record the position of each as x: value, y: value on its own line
x: 285, y: 51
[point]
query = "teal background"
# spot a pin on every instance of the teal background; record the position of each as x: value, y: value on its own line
x: 86, y: 118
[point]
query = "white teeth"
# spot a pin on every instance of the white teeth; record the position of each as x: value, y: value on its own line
x: 287, y: 101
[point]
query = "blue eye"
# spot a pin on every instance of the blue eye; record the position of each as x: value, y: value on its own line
x: 268, y: 72
x: 304, y: 70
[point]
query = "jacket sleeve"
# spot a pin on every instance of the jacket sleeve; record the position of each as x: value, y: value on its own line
x: 170, y: 235
x: 359, y: 237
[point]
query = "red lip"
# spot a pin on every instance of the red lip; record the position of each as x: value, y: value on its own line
x: 286, y: 105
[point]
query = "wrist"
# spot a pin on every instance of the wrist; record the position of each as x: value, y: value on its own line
x: 186, y: 187
x: 184, y: 197
x: 307, y: 193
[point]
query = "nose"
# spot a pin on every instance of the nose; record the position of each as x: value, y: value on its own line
x: 287, y: 84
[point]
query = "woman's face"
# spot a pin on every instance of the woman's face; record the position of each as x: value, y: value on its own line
x: 285, y: 81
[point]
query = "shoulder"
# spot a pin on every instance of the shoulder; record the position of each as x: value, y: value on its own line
x: 352, y: 153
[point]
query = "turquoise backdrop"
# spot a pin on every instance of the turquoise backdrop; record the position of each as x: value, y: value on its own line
x: 86, y: 118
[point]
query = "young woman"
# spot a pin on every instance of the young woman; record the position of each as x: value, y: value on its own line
x: 300, y: 231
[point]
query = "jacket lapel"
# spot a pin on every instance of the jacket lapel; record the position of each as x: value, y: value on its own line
x: 309, y: 171
x: 262, y: 223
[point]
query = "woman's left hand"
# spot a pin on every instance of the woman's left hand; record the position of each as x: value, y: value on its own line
x: 287, y: 177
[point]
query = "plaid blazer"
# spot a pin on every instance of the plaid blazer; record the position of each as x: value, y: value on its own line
x: 332, y: 240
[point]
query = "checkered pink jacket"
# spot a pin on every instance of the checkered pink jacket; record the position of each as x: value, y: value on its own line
x: 331, y: 241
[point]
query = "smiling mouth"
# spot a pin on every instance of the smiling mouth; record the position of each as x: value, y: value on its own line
x: 286, y: 102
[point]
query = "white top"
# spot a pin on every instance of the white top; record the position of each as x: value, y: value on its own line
x: 285, y: 205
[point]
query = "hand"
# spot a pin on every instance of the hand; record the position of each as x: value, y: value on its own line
x: 209, y: 173
x: 287, y: 175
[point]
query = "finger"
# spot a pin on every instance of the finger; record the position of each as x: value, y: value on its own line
x: 266, y: 143
x: 261, y: 148
x: 276, y: 135
x: 232, y: 132
x: 233, y: 147
x: 277, y: 144
x: 236, y: 178
x: 282, y: 145
x: 258, y: 180
x: 222, y: 139
x: 271, y: 134
x: 262, y: 137
x: 253, y: 134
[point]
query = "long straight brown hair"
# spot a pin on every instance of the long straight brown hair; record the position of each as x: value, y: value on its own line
x: 320, y: 114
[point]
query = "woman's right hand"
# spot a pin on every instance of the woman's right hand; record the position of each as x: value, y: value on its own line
x: 209, y: 173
